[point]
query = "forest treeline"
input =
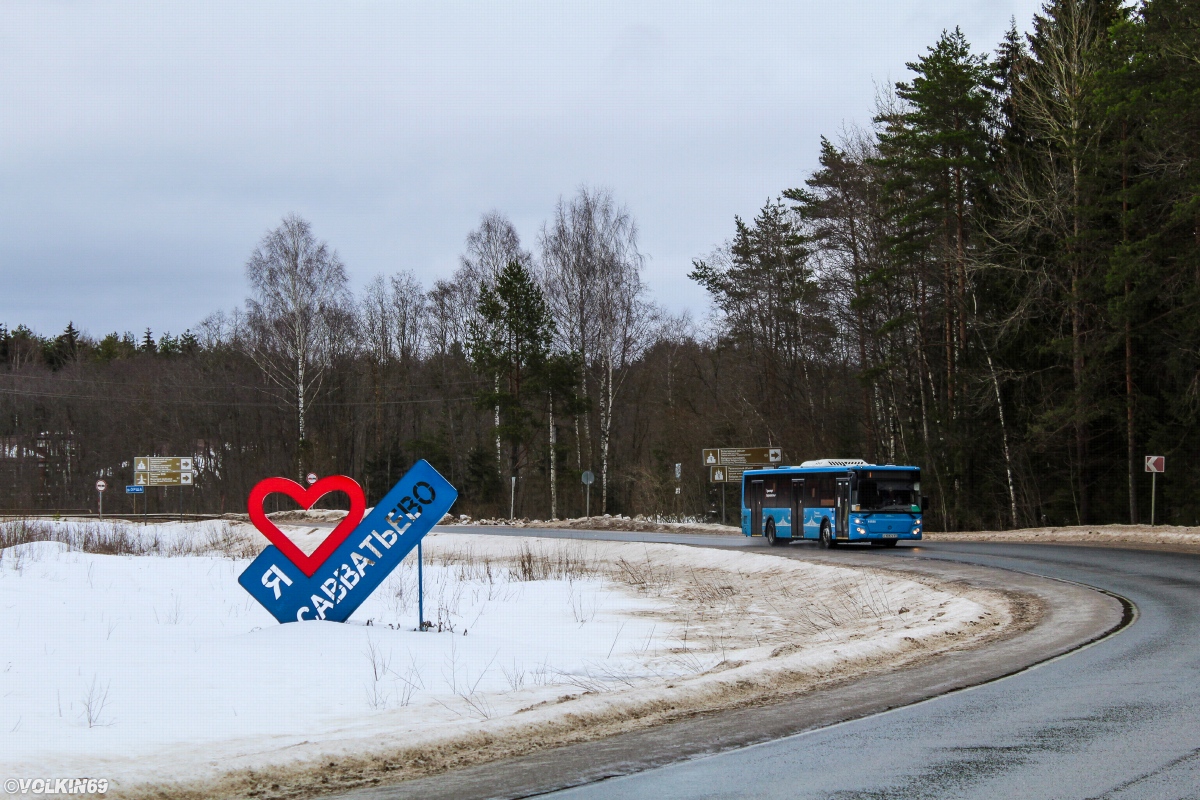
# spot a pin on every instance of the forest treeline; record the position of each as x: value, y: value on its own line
x: 997, y: 281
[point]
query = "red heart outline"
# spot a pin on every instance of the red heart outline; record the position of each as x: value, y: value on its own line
x: 306, y: 498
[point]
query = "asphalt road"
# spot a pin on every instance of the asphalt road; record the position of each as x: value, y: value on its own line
x: 1119, y: 718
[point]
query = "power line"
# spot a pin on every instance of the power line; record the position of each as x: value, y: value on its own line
x: 249, y: 387
x: 235, y: 404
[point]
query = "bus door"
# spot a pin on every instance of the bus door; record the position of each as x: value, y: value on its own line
x: 756, y: 503
x: 797, y: 508
x: 843, y: 508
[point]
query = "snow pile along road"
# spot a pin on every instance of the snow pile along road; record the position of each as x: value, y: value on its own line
x: 604, y: 522
x: 151, y: 667
x: 1179, y: 537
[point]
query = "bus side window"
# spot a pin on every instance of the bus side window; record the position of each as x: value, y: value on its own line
x: 778, y: 494
x: 826, y: 487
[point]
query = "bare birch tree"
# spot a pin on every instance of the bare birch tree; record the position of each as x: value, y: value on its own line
x: 592, y: 274
x: 295, y: 315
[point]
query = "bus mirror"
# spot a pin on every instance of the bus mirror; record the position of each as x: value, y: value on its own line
x: 924, y: 503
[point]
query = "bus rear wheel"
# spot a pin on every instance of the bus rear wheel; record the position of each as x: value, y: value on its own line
x: 826, y: 541
x: 772, y: 539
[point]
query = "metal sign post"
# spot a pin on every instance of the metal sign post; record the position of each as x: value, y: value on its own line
x: 588, y: 479
x: 512, y: 499
x: 1154, y: 465
x: 133, y: 491
x: 100, y: 487
x: 164, y: 471
x: 420, y: 588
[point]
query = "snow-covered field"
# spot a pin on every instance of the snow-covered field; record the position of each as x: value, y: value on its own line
x: 152, y: 665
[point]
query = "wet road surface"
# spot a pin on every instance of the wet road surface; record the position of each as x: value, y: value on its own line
x: 1118, y: 719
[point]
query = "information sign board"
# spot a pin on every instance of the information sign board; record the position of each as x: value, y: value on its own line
x: 162, y: 471
x: 741, y: 456
x: 728, y: 474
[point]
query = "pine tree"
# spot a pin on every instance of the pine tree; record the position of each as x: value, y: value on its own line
x: 511, y: 339
x: 168, y: 345
x: 936, y: 153
x: 1048, y: 219
x: 189, y: 345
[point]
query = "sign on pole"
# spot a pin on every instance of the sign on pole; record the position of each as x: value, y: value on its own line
x: 728, y: 474
x: 135, y: 490
x: 588, y: 479
x: 311, y: 478
x: 334, y: 580
x: 162, y: 471
x: 101, y: 486
x: 1154, y: 465
x: 742, y: 456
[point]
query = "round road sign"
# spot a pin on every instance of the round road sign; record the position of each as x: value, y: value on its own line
x: 588, y: 477
x: 101, y: 486
x: 311, y: 478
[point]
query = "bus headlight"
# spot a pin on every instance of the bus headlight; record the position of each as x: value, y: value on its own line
x: 917, y: 530
x: 861, y: 531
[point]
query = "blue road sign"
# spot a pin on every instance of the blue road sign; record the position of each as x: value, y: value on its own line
x: 135, y: 490
x: 362, y: 562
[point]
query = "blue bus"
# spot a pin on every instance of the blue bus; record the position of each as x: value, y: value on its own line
x: 833, y: 501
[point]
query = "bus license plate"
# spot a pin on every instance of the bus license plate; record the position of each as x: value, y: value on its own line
x: 890, y: 535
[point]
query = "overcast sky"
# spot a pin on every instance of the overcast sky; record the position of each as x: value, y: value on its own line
x: 146, y: 148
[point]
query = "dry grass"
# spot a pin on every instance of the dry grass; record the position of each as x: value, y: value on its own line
x: 128, y: 539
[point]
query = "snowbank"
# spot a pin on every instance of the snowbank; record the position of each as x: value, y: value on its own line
x: 605, y: 522
x: 153, y: 668
x: 1163, y: 535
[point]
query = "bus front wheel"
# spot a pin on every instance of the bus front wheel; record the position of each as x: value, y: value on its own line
x: 827, y: 541
x: 772, y: 539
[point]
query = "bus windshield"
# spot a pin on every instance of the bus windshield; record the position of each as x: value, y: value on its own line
x: 899, y: 493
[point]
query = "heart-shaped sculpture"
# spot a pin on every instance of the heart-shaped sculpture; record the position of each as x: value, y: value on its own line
x: 306, y: 498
